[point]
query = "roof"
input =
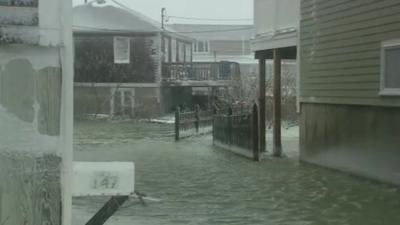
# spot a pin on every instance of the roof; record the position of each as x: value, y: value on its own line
x: 215, y: 31
x: 92, y: 18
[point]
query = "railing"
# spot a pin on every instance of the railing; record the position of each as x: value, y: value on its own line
x: 234, y: 109
x: 193, y: 123
x: 199, y: 71
x: 238, y: 133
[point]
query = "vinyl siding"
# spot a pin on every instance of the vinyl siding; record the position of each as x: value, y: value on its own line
x: 340, y: 44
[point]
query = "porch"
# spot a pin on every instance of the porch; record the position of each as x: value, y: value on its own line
x: 200, y: 74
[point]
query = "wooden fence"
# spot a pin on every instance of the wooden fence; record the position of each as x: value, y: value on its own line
x: 192, y: 123
x: 238, y: 133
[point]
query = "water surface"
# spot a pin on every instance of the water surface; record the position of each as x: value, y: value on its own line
x: 199, y: 184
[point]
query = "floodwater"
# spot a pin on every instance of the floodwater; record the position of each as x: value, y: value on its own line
x: 199, y: 184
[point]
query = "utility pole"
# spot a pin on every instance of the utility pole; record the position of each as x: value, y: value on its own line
x: 163, y: 10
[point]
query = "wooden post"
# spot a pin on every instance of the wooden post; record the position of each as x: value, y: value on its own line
x: 191, y: 63
x: 277, y: 144
x: 197, y: 122
x: 262, y: 128
x: 107, y: 210
x: 230, y: 125
x: 213, y: 122
x: 177, y: 123
x: 255, y: 136
x: 112, y: 102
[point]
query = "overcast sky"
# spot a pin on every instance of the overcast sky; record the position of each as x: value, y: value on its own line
x: 214, y: 9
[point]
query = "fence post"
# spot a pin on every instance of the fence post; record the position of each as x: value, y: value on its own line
x: 230, y: 124
x: 197, y: 116
x: 177, y: 123
x: 255, y: 134
x: 214, y: 113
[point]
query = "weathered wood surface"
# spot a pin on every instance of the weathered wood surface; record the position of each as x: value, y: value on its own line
x: 17, y: 90
x: 30, y: 189
x: 30, y: 173
x: 48, y: 96
x: 32, y: 95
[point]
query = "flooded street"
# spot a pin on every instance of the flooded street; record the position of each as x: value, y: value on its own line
x: 199, y: 184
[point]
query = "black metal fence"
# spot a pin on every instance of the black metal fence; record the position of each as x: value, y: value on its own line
x: 192, y: 123
x: 238, y: 133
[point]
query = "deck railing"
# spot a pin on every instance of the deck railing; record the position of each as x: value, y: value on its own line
x: 238, y: 133
x: 199, y: 71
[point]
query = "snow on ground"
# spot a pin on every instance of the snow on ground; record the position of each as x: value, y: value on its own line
x: 22, y: 137
x: 287, y: 133
x: 169, y: 119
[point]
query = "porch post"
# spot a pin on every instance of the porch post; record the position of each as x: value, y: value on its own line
x: 277, y: 143
x: 262, y: 64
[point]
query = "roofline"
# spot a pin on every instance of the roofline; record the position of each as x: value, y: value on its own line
x: 132, y: 33
x: 205, y: 24
x: 111, y: 32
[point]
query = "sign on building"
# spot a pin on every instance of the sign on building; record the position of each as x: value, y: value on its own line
x: 122, y: 50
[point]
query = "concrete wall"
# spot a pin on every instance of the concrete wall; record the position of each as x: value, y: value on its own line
x: 363, y: 140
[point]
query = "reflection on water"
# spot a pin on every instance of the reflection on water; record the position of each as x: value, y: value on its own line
x: 202, y: 185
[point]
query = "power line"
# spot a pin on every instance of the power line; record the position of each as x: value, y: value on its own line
x: 213, y: 31
x: 172, y: 32
x: 208, y: 19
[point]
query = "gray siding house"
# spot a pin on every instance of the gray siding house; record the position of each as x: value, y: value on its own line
x: 217, y: 42
x: 131, y: 86
x: 350, y: 86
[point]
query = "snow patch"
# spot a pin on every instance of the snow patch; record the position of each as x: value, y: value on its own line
x: 170, y: 119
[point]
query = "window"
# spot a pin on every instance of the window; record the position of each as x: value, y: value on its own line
x: 122, y: 50
x: 390, y: 74
x: 201, y: 46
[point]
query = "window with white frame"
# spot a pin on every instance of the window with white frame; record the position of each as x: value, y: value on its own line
x: 390, y: 71
x: 201, y: 46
